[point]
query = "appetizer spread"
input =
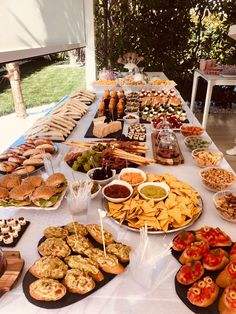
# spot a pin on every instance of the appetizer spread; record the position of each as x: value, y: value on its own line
x: 207, y: 269
x: 72, y: 263
x: 31, y: 191
x: 179, y: 209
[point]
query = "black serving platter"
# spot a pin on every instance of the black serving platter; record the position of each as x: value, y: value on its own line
x: 69, y: 298
x: 182, y: 290
x: 15, y: 240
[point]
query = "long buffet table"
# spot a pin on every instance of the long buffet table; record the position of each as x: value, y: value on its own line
x: 123, y: 294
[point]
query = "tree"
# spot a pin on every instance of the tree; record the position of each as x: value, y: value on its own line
x: 14, y: 78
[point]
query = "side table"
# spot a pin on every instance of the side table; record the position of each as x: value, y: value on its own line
x: 212, y: 80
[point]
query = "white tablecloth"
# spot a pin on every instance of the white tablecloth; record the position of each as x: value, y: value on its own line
x: 122, y: 294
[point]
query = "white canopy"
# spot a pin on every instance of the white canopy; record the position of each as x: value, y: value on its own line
x: 30, y: 28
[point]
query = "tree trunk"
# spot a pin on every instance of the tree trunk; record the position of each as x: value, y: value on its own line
x: 14, y: 78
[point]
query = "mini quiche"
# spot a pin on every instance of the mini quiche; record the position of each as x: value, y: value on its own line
x: 108, y: 263
x: 54, y: 247
x: 121, y: 251
x: 55, y: 232
x: 76, y: 228
x: 95, y: 231
x: 78, y: 243
x: 49, y: 267
x: 78, y: 281
x: 47, y: 290
x: 85, y: 264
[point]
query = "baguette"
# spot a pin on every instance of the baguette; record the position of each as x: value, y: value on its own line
x: 47, y: 290
x: 79, y: 282
x: 108, y: 263
x: 227, y: 276
x: 203, y: 293
x: 216, y: 259
x: 95, y: 231
x: 227, y: 304
x: 232, y: 254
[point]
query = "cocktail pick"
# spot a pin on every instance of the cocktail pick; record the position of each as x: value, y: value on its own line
x: 102, y: 214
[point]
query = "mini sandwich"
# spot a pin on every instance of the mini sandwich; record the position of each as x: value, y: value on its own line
x: 19, y: 196
x: 46, y: 148
x: 58, y: 181
x: 35, y: 181
x: 4, y: 196
x: 9, y: 181
x: 45, y: 196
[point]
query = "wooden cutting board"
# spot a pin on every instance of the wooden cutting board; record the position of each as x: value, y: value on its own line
x: 15, y: 266
x: 165, y: 161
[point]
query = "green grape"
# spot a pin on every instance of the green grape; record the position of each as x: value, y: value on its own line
x: 79, y: 160
x: 86, y: 167
x: 85, y: 155
x: 75, y: 166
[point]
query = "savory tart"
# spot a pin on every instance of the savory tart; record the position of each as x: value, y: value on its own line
x: 78, y: 243
x: 182, y: 240
x: 95, y: 231
x: 78, y: 281
x: 108, y: 263
x: 203, y: 293
x: 227, y: 276
x: 190, y: 272
x: 47, y: 290
x: 227, y: 304
x: 195, y: 251
x: 214, y: 236
x: 121, y: 251
x: 75, y: 227
x: 232, y: 254
x: 55, y: 232
x: 85, y: 264
x: 49, y: 267
x: 216, y: 259
x: 54, y: 247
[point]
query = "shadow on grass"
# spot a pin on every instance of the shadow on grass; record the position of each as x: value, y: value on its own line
x: 26, y: 70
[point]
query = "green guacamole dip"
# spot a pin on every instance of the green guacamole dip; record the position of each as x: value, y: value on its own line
x: 153, y: 191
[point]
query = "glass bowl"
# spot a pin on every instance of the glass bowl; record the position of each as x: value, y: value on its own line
x: 225, y: 206
x: 207, y: 157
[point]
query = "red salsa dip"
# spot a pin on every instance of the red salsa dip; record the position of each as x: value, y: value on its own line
x: 116, y: 191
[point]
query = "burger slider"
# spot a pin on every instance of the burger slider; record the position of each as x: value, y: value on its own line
x: 33, y: 162
x: 35, y: 181
x: 9, y: 181
x: 45, y: 196
x: 19, y: 196
x: 24, y: 170
x: 4, y: 196
x: 58, y: 181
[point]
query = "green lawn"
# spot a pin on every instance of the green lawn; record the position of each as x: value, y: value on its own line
x: 43, y: 82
